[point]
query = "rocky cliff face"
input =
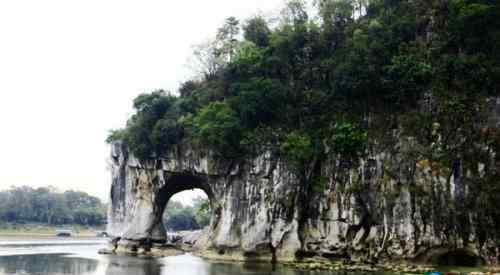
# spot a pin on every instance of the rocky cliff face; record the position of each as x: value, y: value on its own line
x: 262, y: 210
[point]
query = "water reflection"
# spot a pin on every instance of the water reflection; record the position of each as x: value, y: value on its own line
x: 132, y: 265
x: 54, y: 264
x: 82, y: 262
x: 190, y: 265
x: 258, y: 269
x: 61, y: 264
x: 225, y: 268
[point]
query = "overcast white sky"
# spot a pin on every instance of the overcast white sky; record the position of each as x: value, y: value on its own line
x: 70, y: 69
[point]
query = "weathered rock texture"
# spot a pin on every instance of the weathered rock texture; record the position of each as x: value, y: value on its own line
x: 262, y: 210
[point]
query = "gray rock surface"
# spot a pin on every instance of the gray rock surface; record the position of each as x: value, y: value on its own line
x: 262, y: 210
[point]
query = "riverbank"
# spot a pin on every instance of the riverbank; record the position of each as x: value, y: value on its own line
x: 34, y: 230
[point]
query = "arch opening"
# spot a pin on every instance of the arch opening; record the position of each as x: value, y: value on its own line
x: 183, y: 213
x: 187, y: 211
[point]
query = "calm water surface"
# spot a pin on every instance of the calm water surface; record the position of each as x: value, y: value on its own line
x: 77, y: 257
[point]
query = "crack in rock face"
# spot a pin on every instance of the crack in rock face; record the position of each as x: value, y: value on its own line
x: 261, y: 210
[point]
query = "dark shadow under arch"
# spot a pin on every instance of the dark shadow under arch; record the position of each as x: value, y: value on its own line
x: 444, y: 256
x: 458, y: 257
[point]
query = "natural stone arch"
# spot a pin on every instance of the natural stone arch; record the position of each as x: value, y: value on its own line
x: 177, y: 183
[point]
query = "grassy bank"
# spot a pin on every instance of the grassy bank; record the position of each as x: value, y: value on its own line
x: 34, y: 229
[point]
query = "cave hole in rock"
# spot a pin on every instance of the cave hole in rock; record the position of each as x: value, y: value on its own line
x: 458, y: 257
x: 186, y: 203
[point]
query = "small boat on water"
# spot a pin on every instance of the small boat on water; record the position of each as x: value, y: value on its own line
x: 64, y: 233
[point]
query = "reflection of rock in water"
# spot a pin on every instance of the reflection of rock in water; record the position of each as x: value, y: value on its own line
x: 54, y: 264
x: 256, y: 268
x: 122, y: 265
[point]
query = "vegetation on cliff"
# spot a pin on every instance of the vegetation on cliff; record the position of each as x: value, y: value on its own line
x: 359, y: 78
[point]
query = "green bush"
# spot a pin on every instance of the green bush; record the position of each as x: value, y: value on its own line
x: 298, y: 148
x: 348, y: 140
x: 153, y: 129
x: 217, y: 126
x: 258, y: 102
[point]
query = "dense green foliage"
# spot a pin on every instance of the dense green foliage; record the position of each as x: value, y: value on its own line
x: 179, y: 217
x: 355, y: 60
x: 44, y: 205
x: 355, y: 80
x: 154, y: 127
x: 218, y: 127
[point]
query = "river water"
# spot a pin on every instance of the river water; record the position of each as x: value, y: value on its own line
x: 79, y: 257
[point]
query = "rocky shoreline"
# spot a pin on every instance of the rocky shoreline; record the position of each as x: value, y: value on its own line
x: 400, y: 268
x: 192, y: 242
x: 140, y: 249
x: 323, y: 264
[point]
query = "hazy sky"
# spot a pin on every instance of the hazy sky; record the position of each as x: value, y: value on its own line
x: 70, y: 69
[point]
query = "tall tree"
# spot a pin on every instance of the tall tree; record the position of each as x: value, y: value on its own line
x: 257, y: 31
x: 227, y: 38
